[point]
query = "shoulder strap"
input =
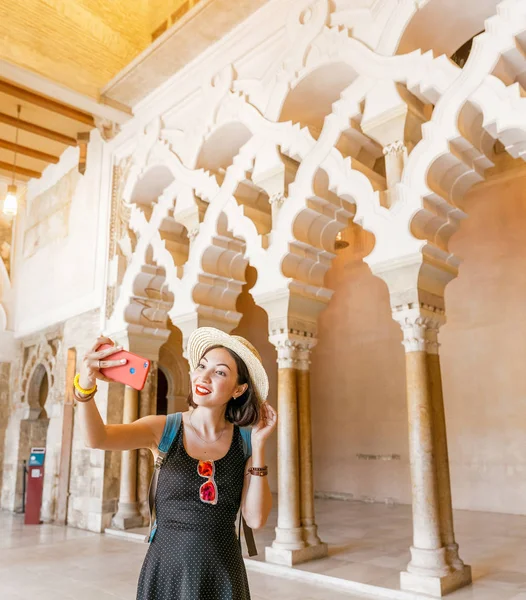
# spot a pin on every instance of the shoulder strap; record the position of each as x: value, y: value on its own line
x: 173, y: 422
x: 246, y: 436
x: 171, y: 427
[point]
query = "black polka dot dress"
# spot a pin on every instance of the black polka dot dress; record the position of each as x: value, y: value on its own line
x: 195, y: 553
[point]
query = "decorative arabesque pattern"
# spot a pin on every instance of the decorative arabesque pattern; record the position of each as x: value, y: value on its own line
x: 245, y: 169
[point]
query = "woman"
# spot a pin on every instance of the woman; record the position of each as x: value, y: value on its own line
x: 204, y: 479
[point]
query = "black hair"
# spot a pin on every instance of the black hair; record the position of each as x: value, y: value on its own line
x: 245, y: 409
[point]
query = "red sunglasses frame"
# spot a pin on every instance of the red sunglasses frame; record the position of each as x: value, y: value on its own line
x: 206, y: 465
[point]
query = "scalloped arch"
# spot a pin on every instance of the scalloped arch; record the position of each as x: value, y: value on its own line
x: 312, y: 95
x: 221, y: 146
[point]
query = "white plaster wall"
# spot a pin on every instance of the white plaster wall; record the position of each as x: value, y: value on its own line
x: 65, y: 276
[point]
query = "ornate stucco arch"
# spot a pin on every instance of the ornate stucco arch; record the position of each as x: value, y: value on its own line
x: 41, y: 362
x: 458, y: 145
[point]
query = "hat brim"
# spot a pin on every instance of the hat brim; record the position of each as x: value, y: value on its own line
x: 204, y: 338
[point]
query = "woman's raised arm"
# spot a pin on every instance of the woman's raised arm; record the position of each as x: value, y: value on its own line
x: 143, y: 433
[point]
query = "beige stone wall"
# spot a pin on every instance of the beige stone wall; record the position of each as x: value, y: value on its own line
x: 483, y: 350
x: 358, y: 385
x: 95, y: 474
x: 359, y: 416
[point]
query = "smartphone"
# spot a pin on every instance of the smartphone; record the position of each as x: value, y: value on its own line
x: 133, y: 373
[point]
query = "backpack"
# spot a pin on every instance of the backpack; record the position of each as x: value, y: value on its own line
x: 173, y: 424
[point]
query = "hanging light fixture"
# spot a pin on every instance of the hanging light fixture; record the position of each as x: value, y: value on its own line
x: 339, y: 242
x: 10, y: 201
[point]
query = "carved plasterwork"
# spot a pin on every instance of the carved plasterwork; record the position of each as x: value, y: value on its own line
x: 420, y: 326
x: 293, y: 348
x: 122, y: 239
x: 107, y: 129
x: 422, y: 213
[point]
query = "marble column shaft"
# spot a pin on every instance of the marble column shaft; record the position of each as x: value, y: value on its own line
x: 296, y: 534
x: 288, y: 532
x: 435, y: 567
x: 427, y: 552
x: 128, y: 515
x: 447, y: 531
x: 307, y: 512
x: 147, y: 406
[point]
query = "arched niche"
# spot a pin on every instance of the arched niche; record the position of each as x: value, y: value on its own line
x: 163, y: 391
x: 37, y: 393
x: 175, y: 369
x: 33, y: 430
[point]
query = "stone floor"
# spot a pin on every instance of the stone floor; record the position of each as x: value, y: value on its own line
x: 369, y: 543
x: 47, y: 562
x: 368, y: 547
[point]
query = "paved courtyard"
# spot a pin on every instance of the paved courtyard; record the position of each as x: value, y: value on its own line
x: 368, y: 546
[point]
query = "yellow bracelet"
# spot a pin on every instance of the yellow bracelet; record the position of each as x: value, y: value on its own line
x: 82, y: 390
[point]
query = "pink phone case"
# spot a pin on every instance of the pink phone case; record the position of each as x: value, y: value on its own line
x: 133, y: 373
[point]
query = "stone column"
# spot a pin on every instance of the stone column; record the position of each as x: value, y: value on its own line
x: 447, y: 531
x: 128, y: 515
x: 310, y: 529
x: 428, y: 571
x: 289, y: 534
x: 290, y: 546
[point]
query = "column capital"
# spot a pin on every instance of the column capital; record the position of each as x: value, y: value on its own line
x: 294, y: 348
x: 420, y: 325
x: 277, y: 199
x: 396, y: 147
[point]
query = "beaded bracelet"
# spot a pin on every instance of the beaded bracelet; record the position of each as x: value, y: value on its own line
x: 81, y: 389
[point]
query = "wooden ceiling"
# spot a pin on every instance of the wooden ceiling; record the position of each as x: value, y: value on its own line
x: 45, y: 129
x: 52, y: 118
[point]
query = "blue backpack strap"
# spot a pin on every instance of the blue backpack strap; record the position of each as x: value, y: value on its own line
x: 246, y: 435
x: 171, y: 427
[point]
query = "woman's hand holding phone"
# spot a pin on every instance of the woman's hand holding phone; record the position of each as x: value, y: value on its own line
x: 94, y: 360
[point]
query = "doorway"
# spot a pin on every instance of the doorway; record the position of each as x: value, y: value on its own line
x: 162, y: 393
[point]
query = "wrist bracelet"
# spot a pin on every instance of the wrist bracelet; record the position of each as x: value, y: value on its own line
x: 80, y: 398
x: 258, y: 471
x: 81, y: 389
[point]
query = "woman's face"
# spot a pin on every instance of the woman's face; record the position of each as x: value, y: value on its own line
x: 214, y: 381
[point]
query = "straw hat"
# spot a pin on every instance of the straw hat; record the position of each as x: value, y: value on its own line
x: 205, y: 337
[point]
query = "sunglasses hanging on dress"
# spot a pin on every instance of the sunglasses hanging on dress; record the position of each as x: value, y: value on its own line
x: 208, y: 490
